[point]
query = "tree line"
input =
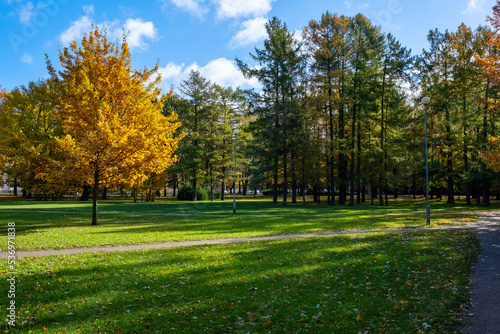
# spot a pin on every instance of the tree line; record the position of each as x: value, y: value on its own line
x: 338, y: 115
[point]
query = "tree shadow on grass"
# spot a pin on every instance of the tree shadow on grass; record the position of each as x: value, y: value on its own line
x: 285, y: 286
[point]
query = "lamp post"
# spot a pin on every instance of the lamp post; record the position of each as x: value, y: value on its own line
x: 426, y: 101
x: 235, y: 132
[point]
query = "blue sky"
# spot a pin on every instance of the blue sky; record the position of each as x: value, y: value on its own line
x: 203, y: 35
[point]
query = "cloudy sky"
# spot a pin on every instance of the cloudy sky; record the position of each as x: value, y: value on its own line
x: 203, y: 35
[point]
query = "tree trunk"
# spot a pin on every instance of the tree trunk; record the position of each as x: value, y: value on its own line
x: 194, y: 197
x: 486, y: 183
x: 342, y: 156
x: 382, y: 175
x: 303, y: 186
x: 223, y: 185
x: 486, y: 192
x: 95, y: 191
x: 85, y: 193
x: 327, y: 181
x: 358, y: 165
x: 332, y: 154
x: 105, y: 193
x: 294, y: 178
x: 275, y: 176
x: 353, y: 136
x: 285, y: 166
x: 211, y: 184
x: 315, y: 193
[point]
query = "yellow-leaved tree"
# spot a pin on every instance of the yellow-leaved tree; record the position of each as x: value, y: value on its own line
x: 115, y: 133
x: 489, y: 62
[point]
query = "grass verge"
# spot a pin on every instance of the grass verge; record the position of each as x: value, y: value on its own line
x: 376, y: 283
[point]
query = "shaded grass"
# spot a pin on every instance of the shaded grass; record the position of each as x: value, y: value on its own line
x: 388, y: 283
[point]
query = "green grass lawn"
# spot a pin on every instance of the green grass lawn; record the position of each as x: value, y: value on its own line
x: 397, y: 282
x: 66, y: 224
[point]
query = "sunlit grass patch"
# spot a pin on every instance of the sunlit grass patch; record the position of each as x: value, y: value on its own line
x: 384, y: 282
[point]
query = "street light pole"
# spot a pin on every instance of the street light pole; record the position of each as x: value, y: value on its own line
x: 426, y: 101
x: 234, y: 184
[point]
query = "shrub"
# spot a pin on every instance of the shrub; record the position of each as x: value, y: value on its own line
x: 185, y: 192
x: 267, y: 192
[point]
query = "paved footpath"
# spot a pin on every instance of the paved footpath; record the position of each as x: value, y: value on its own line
x: 484, y: 313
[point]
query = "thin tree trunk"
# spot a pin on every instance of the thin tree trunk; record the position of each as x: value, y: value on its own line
x: 294, y: 178
x: 94, y: 195
x: 275, y: 184
x: 85, y: 193
x: 466, y: 159
x: 195, y: 195
x: 211, y: 184
x: 358, y: 164
x: 342, y: 155
x: 303, y: 186
x: 353, y: 136
x: 223, y: 184
x: 382, y: 175
x: 486, y: 182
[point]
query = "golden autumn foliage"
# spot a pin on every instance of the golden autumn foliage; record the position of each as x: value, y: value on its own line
x: 27, y: 139
x: 490, y: 60
x: 492, y: 158
x: 115, y: 133
x: 490, y: 64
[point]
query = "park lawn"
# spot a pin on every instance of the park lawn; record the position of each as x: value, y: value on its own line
x: 401, y: 282
x: 245, y: 205
x: 66, y: 224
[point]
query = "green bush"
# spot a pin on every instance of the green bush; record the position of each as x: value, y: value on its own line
x: 267, y: 192
x: 185, y: 192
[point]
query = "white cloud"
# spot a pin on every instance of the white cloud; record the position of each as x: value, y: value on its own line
x: 363, y: 5
x: 170, y: 71
x: 89, y: 10
x: 76, y: 30
x: 193, y: 7
x: 27, y: 59
x: 471, y: 7
x: 242, y: 8
x: 26, y: 13
x: 252, y: 32
x: 479, y: 8
x: 137, y: 30
x: 225, y: 73
x: 348, y: 4
x: 221, y: 71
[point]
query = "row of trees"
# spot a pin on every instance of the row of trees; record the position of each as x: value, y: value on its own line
x: 338, y: 110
